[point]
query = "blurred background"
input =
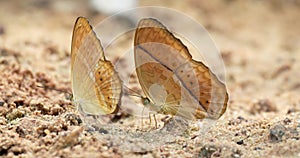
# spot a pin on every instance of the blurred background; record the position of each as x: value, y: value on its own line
x: 251, y: 35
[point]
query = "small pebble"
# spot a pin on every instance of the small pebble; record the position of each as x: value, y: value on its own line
x: 16, y: 113
x: 73, y: 119
x: 236, y: 153
x: 257, y: 148
x: 1, y: 103
x: 103, y: 131
x: 277, y: 132
x: 287, y: 121
x: 240, y: 142
x: 207, y: 151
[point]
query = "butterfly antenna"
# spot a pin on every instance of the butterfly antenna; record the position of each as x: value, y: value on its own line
x: 69, y: 95
x: 135, y: 95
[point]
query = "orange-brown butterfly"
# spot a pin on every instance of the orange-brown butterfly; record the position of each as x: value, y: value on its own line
x: 96, y: 85
x: 172, y: 81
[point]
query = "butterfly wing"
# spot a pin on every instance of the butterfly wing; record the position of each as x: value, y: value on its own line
x: 205, y: 87
x: 156, y: 80
x: 193, y: 91
x: 96, y: 85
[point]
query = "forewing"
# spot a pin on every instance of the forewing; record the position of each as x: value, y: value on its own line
x: 163, y: 46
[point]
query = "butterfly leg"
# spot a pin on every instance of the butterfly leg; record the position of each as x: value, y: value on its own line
x: 166, y: 119
x: 150, y: 118
x: 155, y: 121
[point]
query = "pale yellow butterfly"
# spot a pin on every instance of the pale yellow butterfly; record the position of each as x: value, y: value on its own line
x: 96, y: 85
x: 173, y: 82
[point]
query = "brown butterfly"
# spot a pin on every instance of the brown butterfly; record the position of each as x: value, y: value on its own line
x: 96, y: 85
x: 172, y: 81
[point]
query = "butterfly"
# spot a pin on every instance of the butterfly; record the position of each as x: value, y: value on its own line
x: 172, y: 81
x: 96, y: 85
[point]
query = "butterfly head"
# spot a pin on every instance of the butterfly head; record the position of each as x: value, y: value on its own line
x: 146, y: 101
x: 152, y: 106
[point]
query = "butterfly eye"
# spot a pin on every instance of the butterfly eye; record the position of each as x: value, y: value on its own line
x: 146, y: 101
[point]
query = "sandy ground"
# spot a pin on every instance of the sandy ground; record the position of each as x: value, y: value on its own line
x: 259, y: 42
